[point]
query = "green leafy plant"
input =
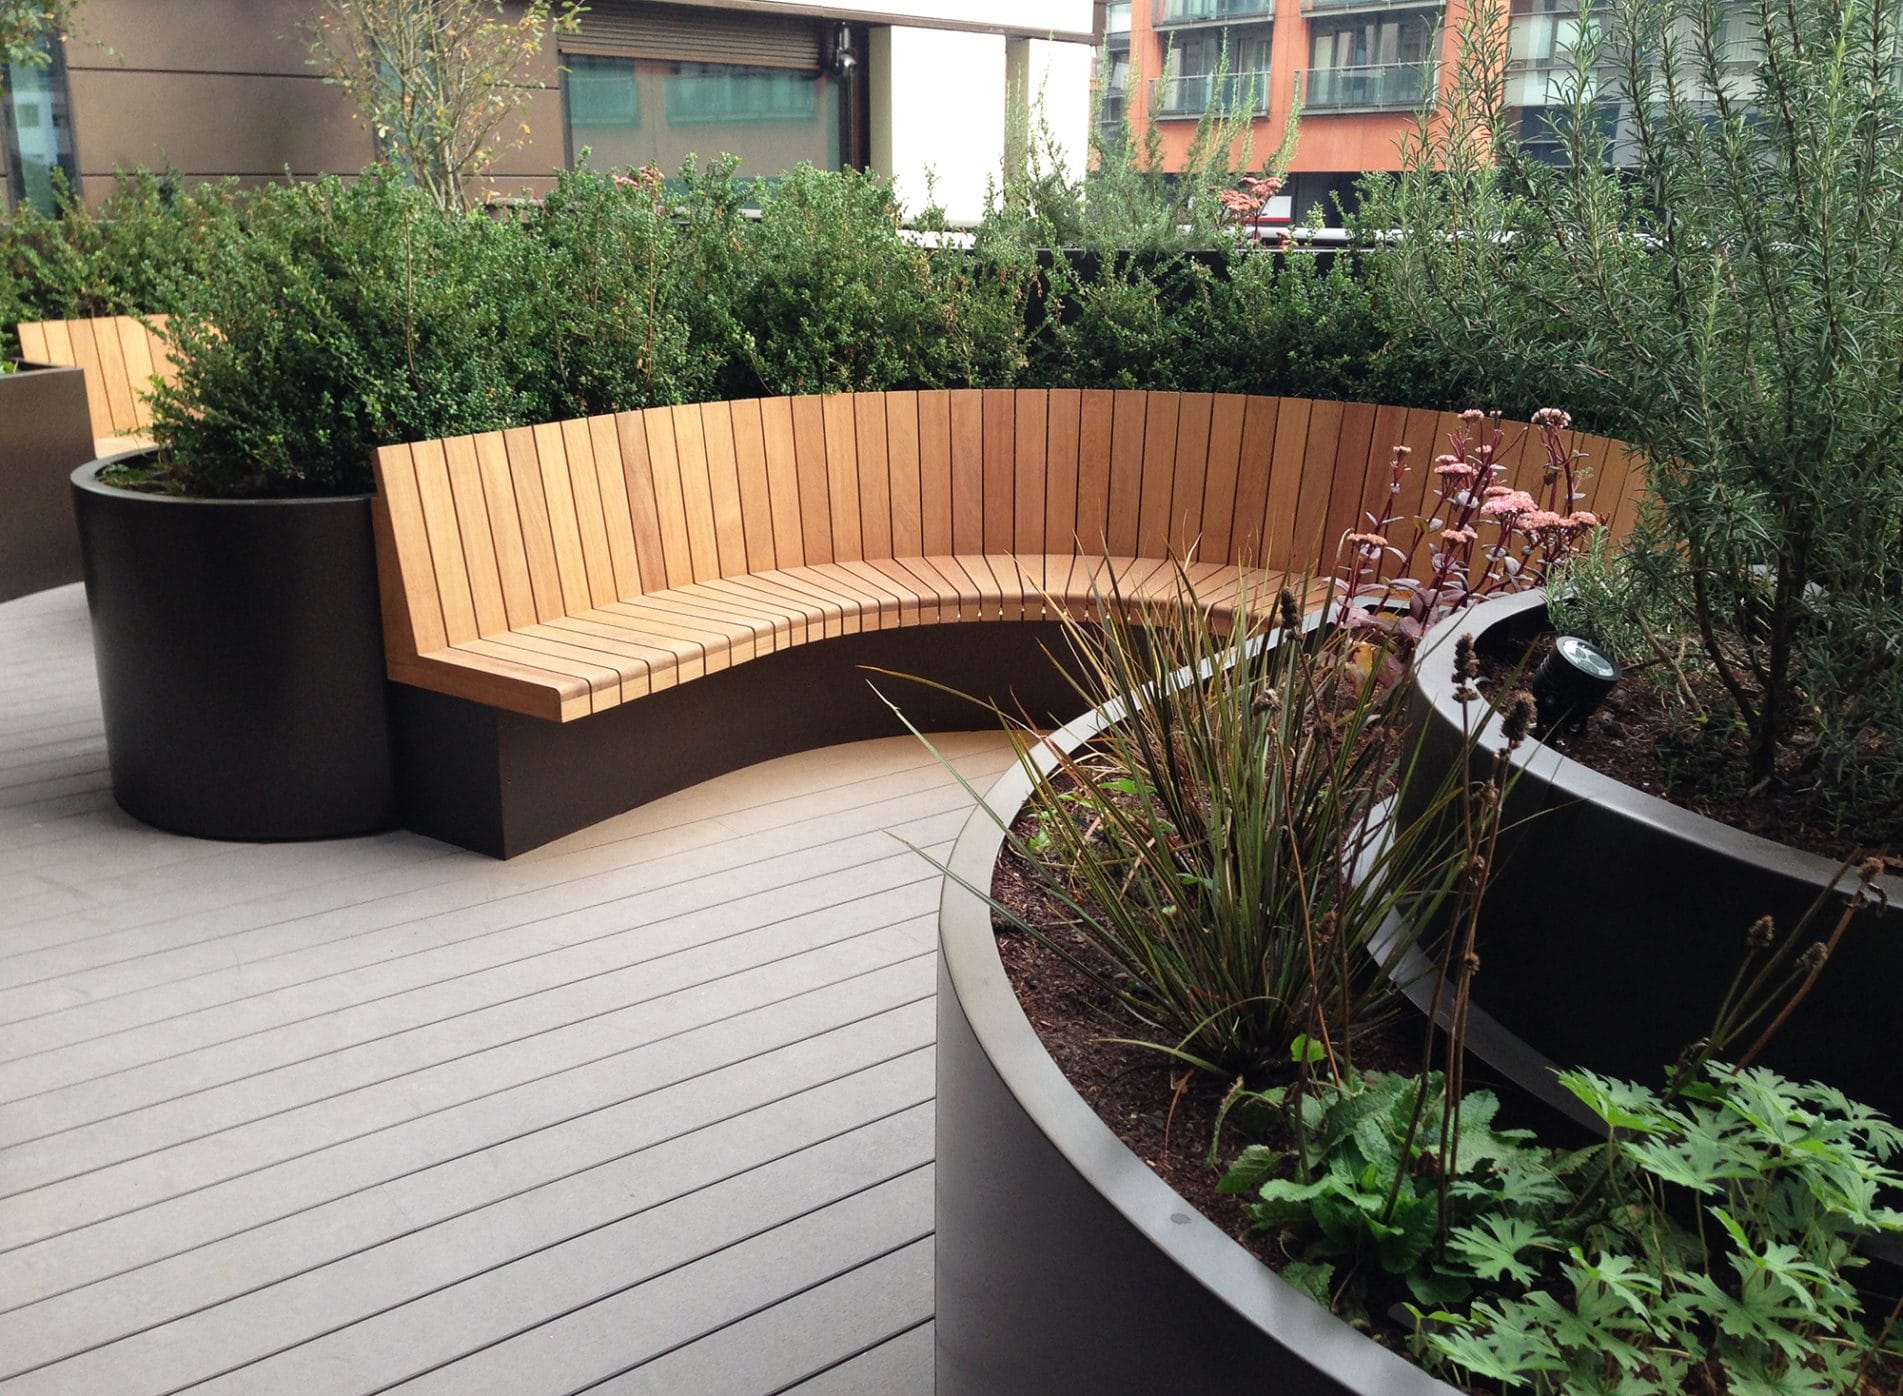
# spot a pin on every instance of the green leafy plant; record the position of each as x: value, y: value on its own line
x: 1360, y: 1192
x: 340, y: 317
x: 25, y: 25
x: 134, y: 254
x: 1785, y: 1179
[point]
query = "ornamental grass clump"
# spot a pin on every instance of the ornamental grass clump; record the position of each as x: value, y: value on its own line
x: 1220, y: 847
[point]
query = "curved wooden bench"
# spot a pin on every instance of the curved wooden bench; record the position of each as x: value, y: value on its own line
x: 564, y: 569
x: 585, y: 569
x: 120, y: 357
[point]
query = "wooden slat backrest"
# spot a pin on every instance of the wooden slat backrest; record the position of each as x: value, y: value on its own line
x: 118, y: 356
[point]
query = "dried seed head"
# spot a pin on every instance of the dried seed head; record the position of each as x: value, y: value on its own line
x: 1466, y: 693
x: 1813, y: 957
x: 1267, y: 701
x: 1466, y: 662
x: 1762, y: 932
x: 1522, y: 713
x: 1291, y: 610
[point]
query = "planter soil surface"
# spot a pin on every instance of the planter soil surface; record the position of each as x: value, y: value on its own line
x: 1646, y: 737
x: 1166, y: 1114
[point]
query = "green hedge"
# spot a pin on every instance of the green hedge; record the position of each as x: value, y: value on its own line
x: 320, y: 320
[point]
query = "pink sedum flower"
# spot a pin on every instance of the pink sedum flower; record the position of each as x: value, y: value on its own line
x: 1505, y: 503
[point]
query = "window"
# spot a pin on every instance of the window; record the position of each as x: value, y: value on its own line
x: 36, y: 129
x: 639, y: 111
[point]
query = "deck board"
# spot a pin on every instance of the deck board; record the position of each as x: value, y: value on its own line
x: 647, y: 1110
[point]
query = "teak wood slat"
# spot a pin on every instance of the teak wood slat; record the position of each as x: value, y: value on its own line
x: 561, y: 569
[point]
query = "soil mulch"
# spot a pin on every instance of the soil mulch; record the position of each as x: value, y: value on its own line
x: 1644, y: 737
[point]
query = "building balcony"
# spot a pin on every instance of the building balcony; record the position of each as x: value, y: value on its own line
x: 1179, y: 14
x: 1342, y: 7
x: 1191, y: 96
x: 1370, y: 87
x: 1111, y: 107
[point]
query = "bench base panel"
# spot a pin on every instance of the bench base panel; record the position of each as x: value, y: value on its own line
x: 501, y: 783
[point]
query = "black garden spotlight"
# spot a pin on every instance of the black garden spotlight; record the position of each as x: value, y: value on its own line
x: 1572, y: 682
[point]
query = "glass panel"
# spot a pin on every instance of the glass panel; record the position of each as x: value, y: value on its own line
x: 648, y: 112
x: 36, y: 121
x: 601, y: 92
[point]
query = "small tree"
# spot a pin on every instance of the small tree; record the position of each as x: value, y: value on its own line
x: 25, y: 23
x: 436, y: 79
x: 1713, y: 255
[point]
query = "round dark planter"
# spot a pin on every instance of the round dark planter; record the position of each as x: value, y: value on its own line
x: 1615, y: 920
x: 240, y: 655
x: 1063, y: 1263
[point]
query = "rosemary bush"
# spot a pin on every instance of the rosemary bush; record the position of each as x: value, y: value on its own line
x: 1714, y: 266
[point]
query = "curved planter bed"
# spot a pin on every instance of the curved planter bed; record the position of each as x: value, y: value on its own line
x: 240, y: 661
x: 1616, y: 919
x: 1063, y: 1263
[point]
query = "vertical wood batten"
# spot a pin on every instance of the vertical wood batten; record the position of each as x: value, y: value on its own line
x: 1195, y: 420
x: 875, y: 474
x: 723, y: 482
x: 604, y: 444
x: 478, y: 542
x: 697, y: 501
x: 538, y: 540
x: 399, y: 512
x: 809, y: 453
x: 935, y: 473
x: 1096, y: 431
x: 505, y: 529
x: 590, y: 518
x: 756, y: 491
x: 783, y: 480
x: 902, y: 467
x: 967, y: 471
x: 1126, y: 474
x: 1031, y: 445
x: 1222, y: 477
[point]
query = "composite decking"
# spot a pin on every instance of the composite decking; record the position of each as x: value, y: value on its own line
x: 646, y: 1110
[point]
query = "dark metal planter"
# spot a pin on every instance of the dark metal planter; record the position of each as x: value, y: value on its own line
x: 1615, y: 919
x: 240, y: 658
x: 1064, y: 1265
x: 44, y: 432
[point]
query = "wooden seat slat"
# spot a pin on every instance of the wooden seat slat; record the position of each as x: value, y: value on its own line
x: 819, y: 619
x: 689, y: 608
x: 715, y: 646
